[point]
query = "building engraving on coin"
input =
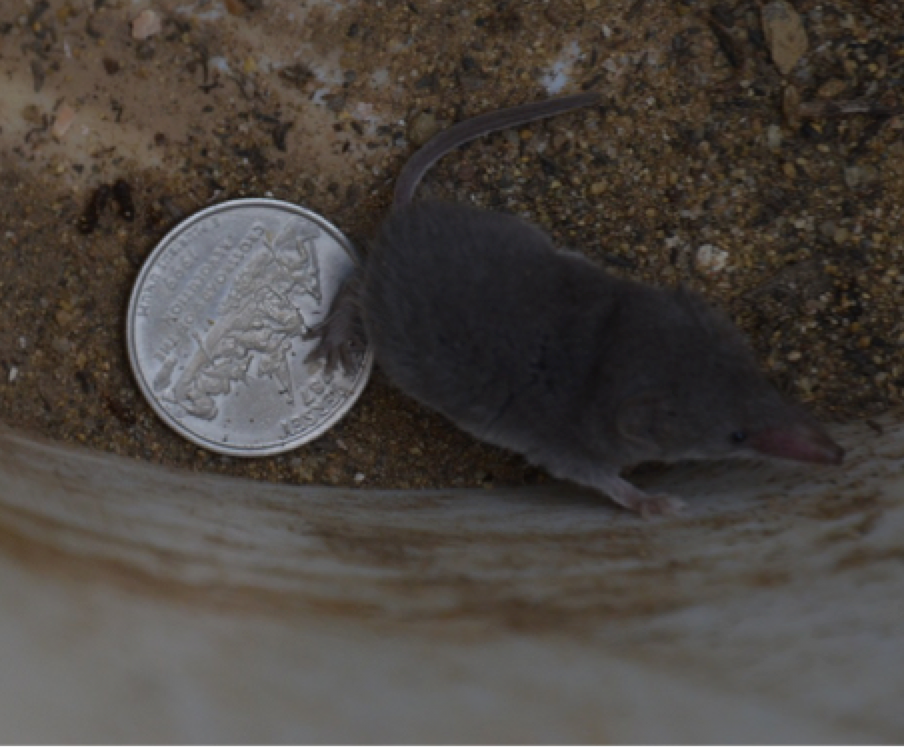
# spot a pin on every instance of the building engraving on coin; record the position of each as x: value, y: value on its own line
x: 217, y: 323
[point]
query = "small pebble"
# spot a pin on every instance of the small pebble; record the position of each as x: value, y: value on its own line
x: 831, y: 89
x: 785, y: 34
x: 64, y: 119
x: 61, y: 345
x: 422, y: 127
x: 860, y: 176
x: 146, y: 24
x: 711, y: 259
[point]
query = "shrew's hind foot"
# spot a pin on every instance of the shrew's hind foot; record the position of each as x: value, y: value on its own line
x: 660, y: 506
x: 341, y: 333
x: 631, y: 497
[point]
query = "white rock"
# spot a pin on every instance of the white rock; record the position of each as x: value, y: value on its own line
x: 711, y: 259
x: 146, y: 24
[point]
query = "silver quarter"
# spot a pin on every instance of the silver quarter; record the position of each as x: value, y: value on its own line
x: 216, y: 327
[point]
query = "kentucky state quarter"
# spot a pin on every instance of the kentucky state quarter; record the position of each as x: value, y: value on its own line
x: 216, y: 327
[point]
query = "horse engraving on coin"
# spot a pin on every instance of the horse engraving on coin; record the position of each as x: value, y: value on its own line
x: 218, y: 324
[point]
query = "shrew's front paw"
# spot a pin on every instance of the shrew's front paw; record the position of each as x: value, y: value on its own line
x: 337, y: 346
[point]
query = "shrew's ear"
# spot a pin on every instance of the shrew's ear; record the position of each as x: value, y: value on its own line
x: 637, y: 418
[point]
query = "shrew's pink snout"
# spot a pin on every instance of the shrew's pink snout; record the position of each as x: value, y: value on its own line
x: 804, y: 442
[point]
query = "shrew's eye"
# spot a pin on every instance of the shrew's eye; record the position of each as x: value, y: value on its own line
x: 739, y: 437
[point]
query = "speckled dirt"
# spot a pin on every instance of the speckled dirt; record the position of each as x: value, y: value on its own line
x: 705, y: 166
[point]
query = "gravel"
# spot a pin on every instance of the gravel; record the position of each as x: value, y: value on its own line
x: 778, y: 195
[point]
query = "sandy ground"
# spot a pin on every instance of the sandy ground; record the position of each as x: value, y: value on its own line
x: 780, y: 195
